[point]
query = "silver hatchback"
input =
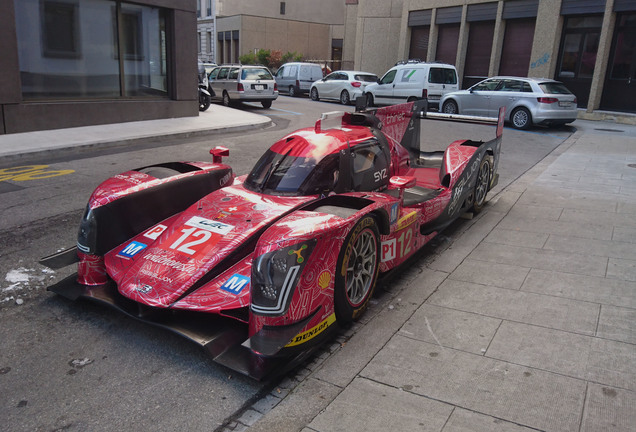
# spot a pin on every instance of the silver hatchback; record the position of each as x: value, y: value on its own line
x: 528, y: 101
x: 242, y: 83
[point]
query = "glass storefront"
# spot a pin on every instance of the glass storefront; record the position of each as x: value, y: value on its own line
x: 70, y: 49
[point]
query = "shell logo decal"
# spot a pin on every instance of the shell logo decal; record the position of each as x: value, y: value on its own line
x: 324, y: 279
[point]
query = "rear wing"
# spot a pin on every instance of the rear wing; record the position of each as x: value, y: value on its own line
x: 400, y: 123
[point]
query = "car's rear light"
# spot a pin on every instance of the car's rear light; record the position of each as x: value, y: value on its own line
x: 297, y: 83
x: 356, y: 84
x: 575, y: 101
x: 424, y: 93
x: 239, y: 87
x: 275, y: 87
x: 547, y: 100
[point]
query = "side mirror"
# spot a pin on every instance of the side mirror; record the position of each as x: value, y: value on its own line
x: 218, y: 153
x: 470, y: 90
x: 402, y: 182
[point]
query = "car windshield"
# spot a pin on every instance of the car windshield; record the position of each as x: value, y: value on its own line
x: 554, y: 88
x: 283, y: 174
x: 256, y: 74
x: 366, y: 78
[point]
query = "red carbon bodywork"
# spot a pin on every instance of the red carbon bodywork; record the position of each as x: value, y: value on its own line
x: 201, y: 258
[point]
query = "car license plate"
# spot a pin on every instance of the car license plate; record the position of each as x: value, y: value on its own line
x: 565, y: 104
x: 259, y: 87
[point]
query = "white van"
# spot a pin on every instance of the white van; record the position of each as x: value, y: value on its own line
x: 412, y: 80
x: 296, y: 78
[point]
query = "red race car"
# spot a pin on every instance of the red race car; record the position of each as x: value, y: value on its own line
x: 259, y: 269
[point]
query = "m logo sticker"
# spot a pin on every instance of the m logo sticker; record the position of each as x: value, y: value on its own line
x: 235, y: 284
x: 132, y: 249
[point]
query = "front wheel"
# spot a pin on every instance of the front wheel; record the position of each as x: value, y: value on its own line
x: 482, y: 184
x: 292, y: 91
x: 357, y: 270
x: 344, y: 98
x: 314, y: 94
x: 521, y: 118
x: 450, y: 107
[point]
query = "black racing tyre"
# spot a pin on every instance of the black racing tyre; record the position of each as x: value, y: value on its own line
x: 266, y: 104
x: 204, y: 101
x: 521, y: 118
x: 345, y: 99
x: 314, y: 94
x: 226, y: 99
x: 357, y: 270
x: 292, y: 91
x: 482, y: 184
x: 450, y: 107
x: 369, y: 100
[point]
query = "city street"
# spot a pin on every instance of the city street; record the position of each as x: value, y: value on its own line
x: 76, y: 366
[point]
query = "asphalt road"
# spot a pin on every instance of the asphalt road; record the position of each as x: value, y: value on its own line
x: 75, y: 366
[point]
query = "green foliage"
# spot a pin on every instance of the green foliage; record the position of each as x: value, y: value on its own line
x: 273, y: 59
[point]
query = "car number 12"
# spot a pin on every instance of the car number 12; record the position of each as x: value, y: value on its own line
x: 201, y: 236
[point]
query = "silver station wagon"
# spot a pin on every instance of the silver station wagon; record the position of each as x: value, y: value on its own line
x: 528, y: 101
x: 242, y: 83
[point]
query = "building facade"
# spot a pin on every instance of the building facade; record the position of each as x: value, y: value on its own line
x: 590, y: 45
x: 309, y: 28
x: 70, y: 63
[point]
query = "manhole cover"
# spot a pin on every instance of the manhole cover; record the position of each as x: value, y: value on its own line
x: 609, y: 130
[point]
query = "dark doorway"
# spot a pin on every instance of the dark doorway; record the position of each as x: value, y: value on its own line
x: 419, y: 42
x: 447, y: 37
x: 577, y: 55
x: 619, y: 92
x: 478, y: 52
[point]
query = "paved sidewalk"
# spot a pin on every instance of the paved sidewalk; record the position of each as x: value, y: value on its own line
x: 526, y: 322
x: 214, y: 120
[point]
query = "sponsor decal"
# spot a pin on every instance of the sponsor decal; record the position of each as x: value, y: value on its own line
x: 312, y: 332
x: 131, y: 249
x: 394, y: 213
x: 388, y: 250
x: 155, y: 231
x: 143, y: 289
x: 209, y: 225
x: 406, y: 220
x: 298, y: 253
x: 236, y: 284
x: 169, y: 262
x: 324, y: 279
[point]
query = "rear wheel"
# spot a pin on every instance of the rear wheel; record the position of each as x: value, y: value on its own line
x: 226, y: 99
x: 450, y: 107
x: 314, y: 94
x: 204, y: 101
x: 357, y: 270
x: 369, y: 100
x: 344, y: 98
x: 266, y: 103
x: 481, y: 185
x: 521, y: 118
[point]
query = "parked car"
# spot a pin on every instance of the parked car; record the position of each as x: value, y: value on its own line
x: 296, y: 78
x: 528, y: 101
x: 243, y: 83
x: 344, y: 86
x: 413, y: 80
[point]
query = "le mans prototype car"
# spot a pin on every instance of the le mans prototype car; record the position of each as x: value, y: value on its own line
x: 259, y: 269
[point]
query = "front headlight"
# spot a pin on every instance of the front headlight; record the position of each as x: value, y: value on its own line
x: 275, y: 276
